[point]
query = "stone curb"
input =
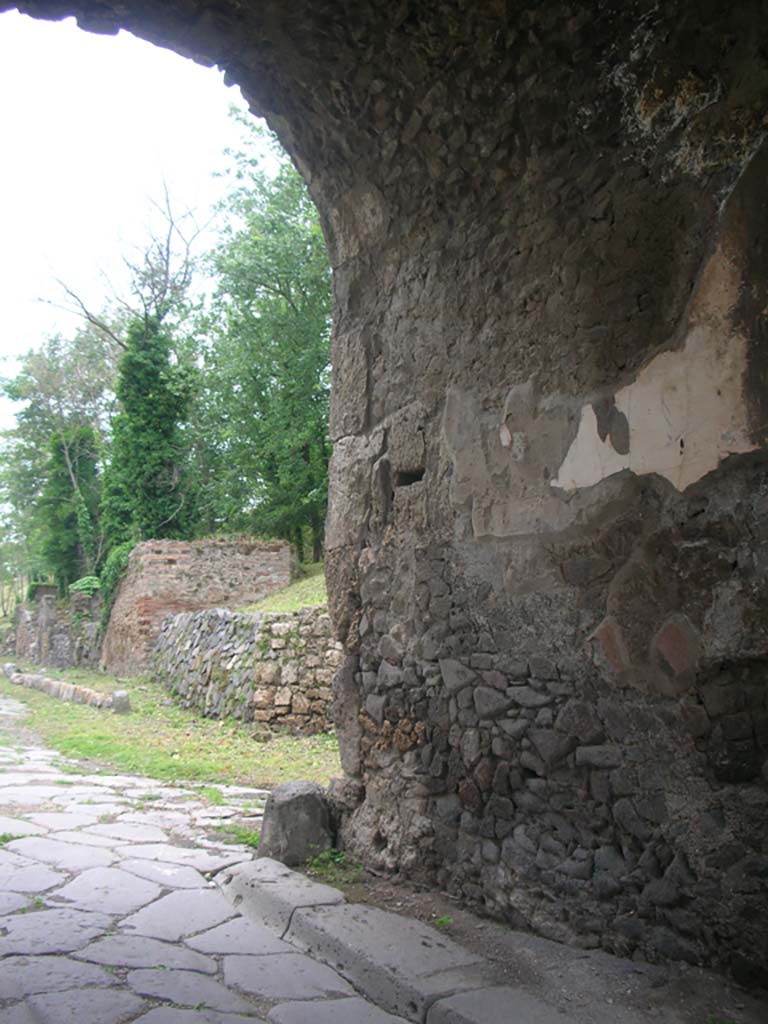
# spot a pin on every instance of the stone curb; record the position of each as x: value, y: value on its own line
x: 119, y: 701
x: 400, y: 964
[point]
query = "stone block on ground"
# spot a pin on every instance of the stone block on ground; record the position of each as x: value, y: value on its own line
x: 297, y: 823
x: 400, y: 964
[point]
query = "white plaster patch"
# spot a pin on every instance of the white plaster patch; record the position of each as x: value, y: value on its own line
x: 686, y: 413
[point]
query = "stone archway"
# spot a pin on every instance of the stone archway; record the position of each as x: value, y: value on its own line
x: 547, y: 538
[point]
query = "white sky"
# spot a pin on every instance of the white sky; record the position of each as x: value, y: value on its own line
x: 90, y: 127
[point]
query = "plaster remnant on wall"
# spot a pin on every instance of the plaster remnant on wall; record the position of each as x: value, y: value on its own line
x: 686, y: 411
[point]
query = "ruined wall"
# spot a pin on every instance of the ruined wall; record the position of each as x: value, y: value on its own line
x: 167, y: 577
x: 58, y: 634
x: 275, y: 669
x: 547, y: 542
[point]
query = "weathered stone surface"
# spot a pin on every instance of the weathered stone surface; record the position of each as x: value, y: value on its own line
x: 68, y: 856
x: 399, y: 963
x: 331, y: 1011
x: 239, y: 936
x: 296, y: 823
x: 180, y: 913
x: 108, y: 890
x: 187, y: 988
x: 172, y: 1015
x: 495, y: 1004
x: 50, y: 931
x: 84, y: 1006
x: 268, y: 892
x: 283, y: 976
x: 27, y: 975
x: 142, y: 951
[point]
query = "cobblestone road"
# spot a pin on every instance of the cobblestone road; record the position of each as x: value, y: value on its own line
x: 109, y: 912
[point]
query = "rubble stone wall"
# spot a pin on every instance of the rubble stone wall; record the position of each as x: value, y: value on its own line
x: 548, y: 524
x: 272, y: 668
x: 58, y: 634
x: 169, y: 576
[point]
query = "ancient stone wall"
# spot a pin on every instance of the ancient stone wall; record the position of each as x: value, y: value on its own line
x: 272, y: 668
x: 167, y: 577
x: 56, y: 633
x: 548, y: 529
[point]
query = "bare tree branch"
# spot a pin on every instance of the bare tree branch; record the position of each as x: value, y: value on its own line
x: 88, y: 315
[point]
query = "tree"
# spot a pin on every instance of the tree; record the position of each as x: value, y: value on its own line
x: 64, y: 388
x: 147, y: 491
x: 265, y: 409
x: 69, y: 507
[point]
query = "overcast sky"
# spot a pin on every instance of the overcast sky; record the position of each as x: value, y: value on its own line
x: 90, y: 127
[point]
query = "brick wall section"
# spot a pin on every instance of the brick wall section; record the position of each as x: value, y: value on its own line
x: 169, y: 577
x: 270, y: 668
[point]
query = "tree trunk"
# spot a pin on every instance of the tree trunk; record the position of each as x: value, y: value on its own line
x: 298, y: 540
x: 317, y: 536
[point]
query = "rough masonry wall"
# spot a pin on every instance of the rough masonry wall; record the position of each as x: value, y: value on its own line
x: 58, y: 634
x: 548, y: 531
x: 167, y: 577
x: 275, y: 669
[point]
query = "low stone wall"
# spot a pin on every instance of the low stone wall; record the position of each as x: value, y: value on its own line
x: 167, y: 577
x: 60, y: 635
x: 119, y: 701
x: 273, y: 668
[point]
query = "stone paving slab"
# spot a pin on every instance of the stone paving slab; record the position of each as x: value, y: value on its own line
x: 12, y: 901
x: 269, y: 892
x: 69, y: 856
x: 188, y: 989
x: 85, y: 1006
x: 171, y: 1015
x: 23, y: 976
x: 239, y: 936
x: 171, y: 876
x: 30, y: 878
x: 85, y: 839
x: 19, y: 1014
x: 19, y: 827
x: 180, y: 914
x: 195, y: 858
x: 284, y: 976
x: 63, y: 819
x: 108, y: 890
x: 50, y: 931
x: 338, y: 1011
x: 130, y: 832
x: 142, y: 951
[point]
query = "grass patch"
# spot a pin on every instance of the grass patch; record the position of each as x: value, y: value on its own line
x: 213, y: 795
x: 240, y: 834
x: 165, y: 741
x: 7, y: 837
x: 334, y: 868
x: 306, y: 591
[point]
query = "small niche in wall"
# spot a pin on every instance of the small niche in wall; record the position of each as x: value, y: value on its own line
x: 406, y: 477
